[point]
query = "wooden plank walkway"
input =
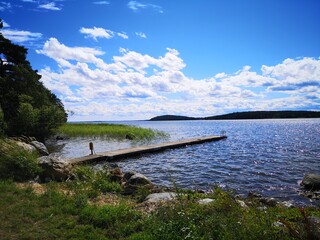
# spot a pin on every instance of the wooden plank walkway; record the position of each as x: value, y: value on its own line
x: 130, y: 152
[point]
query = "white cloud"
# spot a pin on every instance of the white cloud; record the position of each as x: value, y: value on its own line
x: 97, y: 33
x: 101, y: 2
x: 123, y: 35
x: 20, y: 36
x: 57, y: 51
x: 50, y: 6
x: 136, y: 6
x: 5, y: 24
x: 139, y: 86
x: 141, y: 34
x: 5, y: 6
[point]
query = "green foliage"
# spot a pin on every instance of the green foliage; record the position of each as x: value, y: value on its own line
x: 121, y: 221
x: 16, y: 163
x: 28, y: 108
x: 2, y: 123
x: 117, y: 131
x: 92, y: 183
x: 57, y: 215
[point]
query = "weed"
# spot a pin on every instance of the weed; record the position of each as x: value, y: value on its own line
x: 115, y: 131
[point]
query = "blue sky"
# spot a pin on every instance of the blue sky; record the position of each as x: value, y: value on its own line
x: 125, y: 60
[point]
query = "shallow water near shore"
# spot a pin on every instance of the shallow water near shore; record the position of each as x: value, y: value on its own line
x: 265, y: 156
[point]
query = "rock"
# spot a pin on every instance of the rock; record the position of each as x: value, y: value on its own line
x: 55, y: 168
x: 26, y: 146
x: 128, y: 175
x: 286, y: 204
x: 116, y: 175
x: 134, y: 182
x: 311, y: 182
x: 160, y: 197
x: 269, y: 201
x: 242, y: 204
x: 278, y: 224
x: 314, y: 227
x: 254, y: 195
x: 41, y: 148
x: 130, y: 136
x: 205, y: 201
x: 139, y: 179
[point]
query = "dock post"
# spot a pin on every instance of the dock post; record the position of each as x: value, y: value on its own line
x: 91, y: 147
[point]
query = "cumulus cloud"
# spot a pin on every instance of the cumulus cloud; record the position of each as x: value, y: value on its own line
x: 141, y: 34
x: 20, y: 36
x: 96, y: 33
x: 5, y: 6
x: 50, y: 6
x: 137, y: 6
x: 135, y: 85
x: 101, y: 2
x: 123, y: 35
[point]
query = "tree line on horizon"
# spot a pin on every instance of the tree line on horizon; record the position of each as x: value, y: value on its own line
x: 245, y: 115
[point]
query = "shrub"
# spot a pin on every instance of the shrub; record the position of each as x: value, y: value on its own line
x: 16, y: 163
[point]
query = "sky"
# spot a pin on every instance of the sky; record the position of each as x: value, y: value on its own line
x: 133, y: 60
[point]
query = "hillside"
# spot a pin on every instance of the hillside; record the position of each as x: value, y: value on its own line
x: 171, y: 118
x: 245, y: 115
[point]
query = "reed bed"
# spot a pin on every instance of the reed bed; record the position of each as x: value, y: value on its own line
x: 116, y: 131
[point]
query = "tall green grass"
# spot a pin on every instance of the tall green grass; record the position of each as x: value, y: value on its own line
x: 17, y: 163
x: 57, y: 215
x: 116, y: 131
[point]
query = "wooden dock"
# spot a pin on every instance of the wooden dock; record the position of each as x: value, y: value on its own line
x: 131, y: 152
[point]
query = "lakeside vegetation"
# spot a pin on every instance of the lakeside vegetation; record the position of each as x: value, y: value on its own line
x: 245, y: 115
x: 27, y: 107
x: 93, y: 206
x: 115, y: 131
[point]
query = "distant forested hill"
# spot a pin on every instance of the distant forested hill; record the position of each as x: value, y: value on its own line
x: 171, y: 118
x: 246, y: 115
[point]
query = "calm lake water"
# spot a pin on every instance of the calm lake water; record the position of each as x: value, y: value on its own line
x: 265, y: 156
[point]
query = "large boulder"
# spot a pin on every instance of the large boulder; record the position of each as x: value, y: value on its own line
x: 116, y: 174
x: 41, y: 148
x: 134, y: 182
x: 55, y: 168
x: 161, y: 197
x: 26, y: 146
x: 311, y: 182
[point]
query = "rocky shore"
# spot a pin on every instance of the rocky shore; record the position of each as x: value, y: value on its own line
x: 56, y: 168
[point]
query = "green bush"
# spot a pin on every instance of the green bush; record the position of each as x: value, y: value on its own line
x: 92, y: 183
x: 2, y: 123
x: 121, y: 221
x: 16, y: 163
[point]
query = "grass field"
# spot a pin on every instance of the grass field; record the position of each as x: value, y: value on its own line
x: 82, y: 209
x: 116, y: 131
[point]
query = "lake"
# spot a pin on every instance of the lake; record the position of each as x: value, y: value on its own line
x: 265, y: 156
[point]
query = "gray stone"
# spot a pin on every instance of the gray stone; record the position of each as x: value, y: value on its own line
x: 26, y: 146
x: 205, y: 201
x: 128, y: 175
x: 242, y: 204
x: 278, y: 224
x: 116, y: 175
x: 55, y: 168
x: 314, y: 227
x: 135, y: 181
x: 139, y: 179
x: 41, y: 148
x: 311, y: 182
x: 269, y: 201
x: 160, y: 197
